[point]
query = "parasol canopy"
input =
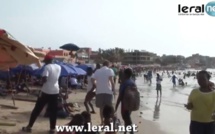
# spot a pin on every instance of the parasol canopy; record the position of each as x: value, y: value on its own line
x: 13, y: 53
x: 70, y: 47
x: 37, y: 53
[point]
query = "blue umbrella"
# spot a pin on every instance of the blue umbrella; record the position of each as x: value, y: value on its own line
x: 4, y: 75
x: 79, y: 71
x: 70, y: 47
x: 21, y: 68
x: 65, y: 70
x: 84, y: 67
x: 39, y: 71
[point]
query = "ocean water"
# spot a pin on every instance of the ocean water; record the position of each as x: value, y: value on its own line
x: 168, y: 112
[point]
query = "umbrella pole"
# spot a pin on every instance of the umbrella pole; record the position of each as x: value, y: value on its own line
x: 20, y: 76
x: 10, y: 86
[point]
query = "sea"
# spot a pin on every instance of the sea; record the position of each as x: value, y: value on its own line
x: 168, y: 111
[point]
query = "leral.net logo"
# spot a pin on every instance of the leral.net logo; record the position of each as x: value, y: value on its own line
x: 197, y: 10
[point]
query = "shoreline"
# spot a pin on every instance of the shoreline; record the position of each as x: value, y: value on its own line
x: 145, y: 126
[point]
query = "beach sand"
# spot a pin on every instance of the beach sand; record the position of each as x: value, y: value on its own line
x: 21, y: 116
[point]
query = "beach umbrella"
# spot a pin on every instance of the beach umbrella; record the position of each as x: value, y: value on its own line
x: 70, y: 47
x: 24, y: 68
x: 5, y: 75
x: 39, y: 54
x: 39, y: 71
x: 79, y: 71
x: 65, y: 70
x: 14, y: 53
x: 83, y: 66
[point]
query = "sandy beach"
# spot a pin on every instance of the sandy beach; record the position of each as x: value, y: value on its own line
x: 21, y: 117
x: 168, y: 118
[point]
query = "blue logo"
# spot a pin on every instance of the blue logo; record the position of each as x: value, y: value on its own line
x: 210, y: 8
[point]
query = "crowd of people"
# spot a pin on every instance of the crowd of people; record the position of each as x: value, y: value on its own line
x: 101, y: 84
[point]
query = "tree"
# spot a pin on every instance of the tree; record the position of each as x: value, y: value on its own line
x: 112, y: 54
x: 172, y: 59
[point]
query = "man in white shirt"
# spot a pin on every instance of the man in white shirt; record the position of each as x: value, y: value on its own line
x: 104, y: 80
x: 49, y: 94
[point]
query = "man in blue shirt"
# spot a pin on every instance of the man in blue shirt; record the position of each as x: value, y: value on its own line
x: 126, y: 115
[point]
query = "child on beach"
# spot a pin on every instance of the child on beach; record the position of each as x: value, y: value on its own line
x: 201, y: 102
x: 90, y: 94
x: 61, y: 111
x: 77, y: 120
x: 108, y: 114
x: 87, y: 120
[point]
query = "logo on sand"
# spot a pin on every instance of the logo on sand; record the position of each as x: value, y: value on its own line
x: 210, y: 8
x: 197, y: 10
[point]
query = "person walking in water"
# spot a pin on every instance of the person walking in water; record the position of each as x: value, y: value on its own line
x: 49, y: 94
x: 168, y: 74
x: 158, y: 85
x: 202, y: 105
x: 149, y: 75
x: 174, y: 78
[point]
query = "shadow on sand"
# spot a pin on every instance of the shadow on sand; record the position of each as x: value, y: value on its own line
x: 156, y: 114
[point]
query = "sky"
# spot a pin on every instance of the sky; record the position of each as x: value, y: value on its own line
x: 153, y: 26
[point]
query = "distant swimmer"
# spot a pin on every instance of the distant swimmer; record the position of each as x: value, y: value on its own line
x: 168, y: 74
x: 185, y: 75
x: 145, y: 78
x: 149, y: 76
x: 181, y: 82
x: 174, y: 78
x: 162, y: 74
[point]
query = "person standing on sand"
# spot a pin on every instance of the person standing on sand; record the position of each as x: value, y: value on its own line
x: 115, y: 70
x: 89, y: 95
x: 98, y: 66
x: 121, y: 75
x: 105, y: 88
x: 126, y: 115
x: 201, y: 102
x: 48, y: 95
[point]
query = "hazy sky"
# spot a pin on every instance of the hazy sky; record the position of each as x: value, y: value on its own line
x: 152, y: 25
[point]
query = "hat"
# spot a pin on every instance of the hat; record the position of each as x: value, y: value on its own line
x: 48, y: 57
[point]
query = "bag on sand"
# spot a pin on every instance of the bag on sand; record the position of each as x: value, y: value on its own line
x: 131, y: 98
